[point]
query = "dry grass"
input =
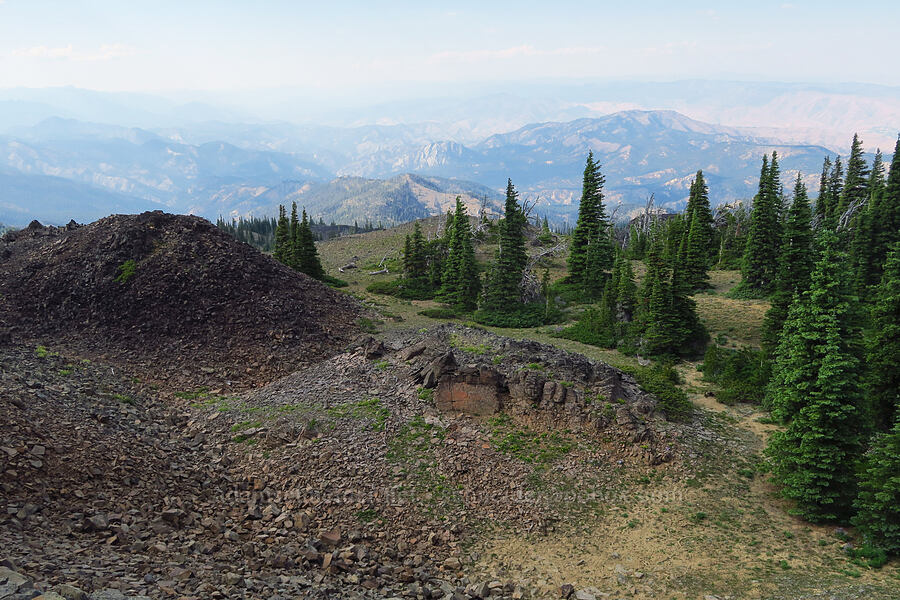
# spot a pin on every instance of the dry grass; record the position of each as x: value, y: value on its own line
x: 740, y: 321
x: 713, y: 525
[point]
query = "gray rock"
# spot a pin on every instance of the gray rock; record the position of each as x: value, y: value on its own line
x: 108, y: 594
x: 12, y: 582
x: 70, y: 592
x: 98, y: 522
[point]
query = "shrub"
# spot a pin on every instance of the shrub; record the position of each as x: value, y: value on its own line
x: 742, y: 374
x: 439, y: 313
x: 878, y: 515
x: 661, y: 380
x: 126, y: 271
x: 521, y: 316
x: 334, y: 282
x: 402, y: 288
x: 596, y: 327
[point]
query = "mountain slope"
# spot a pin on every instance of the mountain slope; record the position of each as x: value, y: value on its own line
x: 56, y: 200
x: 641, y: 152
x: 347, y: 199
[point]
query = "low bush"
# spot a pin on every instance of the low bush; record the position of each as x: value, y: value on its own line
x: 521, y: 316
x: 742, y: 374
x: 402, y: 288
x: 126, y: 271
x: 439, y: 313
x: 595, y: 327
x: 662, y: 380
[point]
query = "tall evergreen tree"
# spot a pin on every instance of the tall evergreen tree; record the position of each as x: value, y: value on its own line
x: 815, y: 389
x: 283, y: 247
x: 306, y: 255
x: 698, y: 204
x: 886, y: 220
x: 883, y: 345
x: 460, y: 282
x: 592, y: 225
x: 824, y: 195
x: 864, y: 247
x: 759, y: 265
x: 794, y: 265
x: 835, y: 187
x: 502, y: 290
x: 417, y: 261
x: 407, y: 255
x: 696, y: 255
x: 658, y: 321
x: 856, y: 182
x: 878, y: 503
x: 295, y: 245
x: 626, y: 300
x: 776, y: 195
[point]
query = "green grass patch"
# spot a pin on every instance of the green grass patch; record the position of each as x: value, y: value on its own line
x: 527, y: 445
x: 370, y: 410
x: 124, y: 399
x: 244, y: 425
x: 368, y: 325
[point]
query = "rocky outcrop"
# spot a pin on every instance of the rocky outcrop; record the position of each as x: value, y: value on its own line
x: 539, y: 386
x: 470, y: 390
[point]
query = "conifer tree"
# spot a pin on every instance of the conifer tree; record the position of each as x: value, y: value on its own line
x: 864, y: 246
x: 283, y: 247
x: 696, y: 255
x: 759, y: 265
x: 883, y: 345
x: 306, y: 255
x: 698, y: 204
x: 886, y: 219
x: 794, y: 265
x: 295, y: 249
x: 878, y: 502
x: 417, y: 261
x: 592, y: 226
x: 835, y: 186
x: 815, y: 389
x: 460, y: 283
x: 659, y: 332
x: 856, y: 181
x: 594, y: 277
x: 407, y: 256
x: 824, y: 195
x: 502, y: 290
x: 626, y: 301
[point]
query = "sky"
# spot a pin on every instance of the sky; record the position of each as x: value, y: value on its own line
x: 332, y: 47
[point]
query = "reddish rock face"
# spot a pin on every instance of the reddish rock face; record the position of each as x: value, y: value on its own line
x: 471, y: 391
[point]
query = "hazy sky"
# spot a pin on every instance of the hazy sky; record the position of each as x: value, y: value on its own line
x: 329, y: 45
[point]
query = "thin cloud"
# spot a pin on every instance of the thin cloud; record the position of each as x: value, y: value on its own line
x: 670, y: 48
x: 69, y: 52
x: 524, y: 50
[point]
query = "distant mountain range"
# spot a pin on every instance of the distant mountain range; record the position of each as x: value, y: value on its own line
x: 66, y: 168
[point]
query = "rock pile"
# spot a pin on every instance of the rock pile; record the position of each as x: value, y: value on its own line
x: 159, y: 290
